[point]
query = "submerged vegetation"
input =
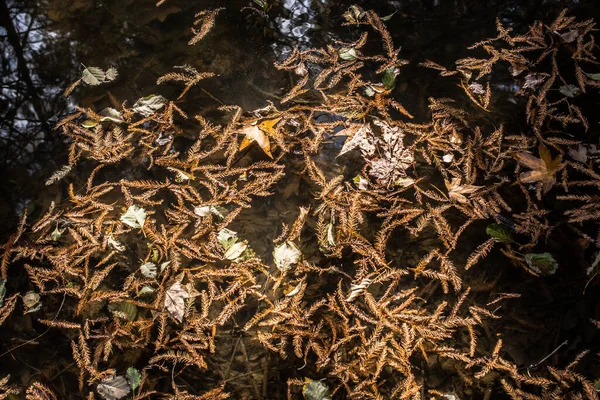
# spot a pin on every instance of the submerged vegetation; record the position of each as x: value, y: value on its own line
x: 379, y: 283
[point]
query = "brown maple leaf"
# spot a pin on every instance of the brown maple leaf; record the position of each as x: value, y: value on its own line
x: 543, y: 169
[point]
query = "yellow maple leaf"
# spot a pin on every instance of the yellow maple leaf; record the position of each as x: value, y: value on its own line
x: 260, y: 133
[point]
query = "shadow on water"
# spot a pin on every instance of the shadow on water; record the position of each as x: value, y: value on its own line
x: 45, y: 43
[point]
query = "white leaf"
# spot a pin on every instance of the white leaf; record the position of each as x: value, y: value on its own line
x: 286, y: 255
x: 447, y: 158
x: 113, y: 388
x: 148, y: 270
x: 236, y: 250
x: 204, y: 211
x: 361, y: 138
x: 164, y: 265
x: 93, y: 76
x: 146, y: 106
x: 110, y: 114
x: 118, y: 246
x: 134, y: 217
x: 175, y: 301
x: 111, y: 74
x: 330, y: 235
x: 357, y: 290
x: 227, y: 238
x: 32, y: 302
x: 146, y: 290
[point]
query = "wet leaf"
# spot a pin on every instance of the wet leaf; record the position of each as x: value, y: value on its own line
x: 588, y: 272
x: 236, y: 250
x: 2, y: 291
x: 330, y: 234
x: 595, y: 77
x: 147, y: 290
x: 570, y: 36
x: 570, y: 90
x: 56, y: 234
x: 315, y: 390
x: 541, y: 263
x: 457, y: 192
x: 146, y: 106
x: 286, y: 255
x: 133, y: 377
x: 124, y: 310
x: 254, y: 134
x: 149, y: 270
x: 500, y: 233
x: 113, y: 388
x: 388, y: 17
x: 111, y: 74
x: 32, y: 302
x: 175, y: 301
x: 110, y: 114
x: 533, y: 80
x: 93, y: 76
x: 205, y: 211
x: 360, y: 182
x: 348, y: 53
x: 89, y: 123
x: 389, y: 78
x: 359, y: 135
x: 115, y: 244
x: 134, y: 217
x: 543, y: 169
x: 477, y: 88
x: 227, y: 238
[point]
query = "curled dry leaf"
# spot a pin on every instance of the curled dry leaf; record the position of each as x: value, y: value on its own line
x: 357, y: 290
x: 457, y: 192
x: 146, y: 106
x: 359, y: 135
x: 175, y: 301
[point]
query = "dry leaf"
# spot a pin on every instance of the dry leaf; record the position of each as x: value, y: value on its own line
x: 457, y: 192
x: 175, y: 301
x: 113, y: 388
x: 543, y: 170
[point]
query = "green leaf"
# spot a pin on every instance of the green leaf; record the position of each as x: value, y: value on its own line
x: 348, y: 53
x: 570, y: 90
x: 595, y: 77
x: 597, y: 385
x: 500, y: 233
x: 56, y: 234
x: 315, y: 390
x: 388, y: 17
x: 134, y: 217
x: 389, y: 78
x: 541, y: 263
x: 2, y: 291
x: 133, y: 377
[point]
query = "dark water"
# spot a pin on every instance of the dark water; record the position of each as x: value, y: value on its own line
x: 45, y: 43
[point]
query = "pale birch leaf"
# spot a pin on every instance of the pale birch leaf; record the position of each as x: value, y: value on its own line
x: 175, y: 301
x: 236, y: 250
x: 93, y: 76
x: 146, y: 106
x: 134, y: 217
x: 286, y: 255
x: 113, y: 388
x: 149, y: 270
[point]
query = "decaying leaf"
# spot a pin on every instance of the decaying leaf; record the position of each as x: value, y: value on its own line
x: 543, y: 169
x: 259, y: 133
x: 227, y: 238
x: 2, y: 291
x: 286, y: 255
x: 236, y: 250
x: 118, y: 246
x: 113, y: 388
x: 359, y: 135
x: 32, y: 302
x: 541, y: 263
x: 570, y: 90
x: 358, y: 289
x: 146, y: 106
x: 94, y: 76
x: 315, y: 390
x: 135, y: 217
x: 149, y: 270
x: 348, y: 53
x: 500, y: 233
x: 175, y: 301
x: 205, y: 211
x: 457, y: 192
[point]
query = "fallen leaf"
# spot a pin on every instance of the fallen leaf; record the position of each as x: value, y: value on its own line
x: 359, y: 135
x: 146, y: 106
x: 348, y: 53
x: 570, y: 90
x: 32, y: 302
x: 541, y: 263
x: 570, y: 36
x: 236, y: 250
x: 93, y: 76
x: 286, y: 255
x: 149, y: 270
x: 254, y: 134
x: 113, y: 388
x: 457, y: 192
x: 543, y: 170
x: 134, y: 217
x: 133, y: 377
x: 175, y: 301
x: 315, y: 390
x: 2, y: 291
x: 500, y: 233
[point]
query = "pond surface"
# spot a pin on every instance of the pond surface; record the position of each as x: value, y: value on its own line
x: 46, y: 44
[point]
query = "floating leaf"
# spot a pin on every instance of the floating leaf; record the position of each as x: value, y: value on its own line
x: 89, y: 123
x: 254, y: 134
x: 348, y: 53
x: 570, y: 36
x: 357, y: 290
x: 93, y: 76
x: 56, y: 234
x: 115, y: 244
x: 113, y: 388
x: 236, y: 250
x: 589, y: 271
x: 175, y: 301
x: 2, y: 291
x: 359, y: 135
x: 570, y: 90
x: 32, y: 302
x: 500, y: 233
x: 134, y: 217
x: 595, y: 77
x: 541, y: 263
x: 360, y: 182
x: 146, y: 106
x: 124, y: 310
x: 110, y: 114
x: 205, y: 211
x: 330, y: 235
x: 389, y: 77
x: 148, y: 270
x: 315, y: 390
x: 388, y: 17
x: 286, y: 255
x: 147, y: 290
x: 133, y: 377
x: 227, y: 238
x: 111, y: 74
x: 457, y: 192
x: 543, y: 169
